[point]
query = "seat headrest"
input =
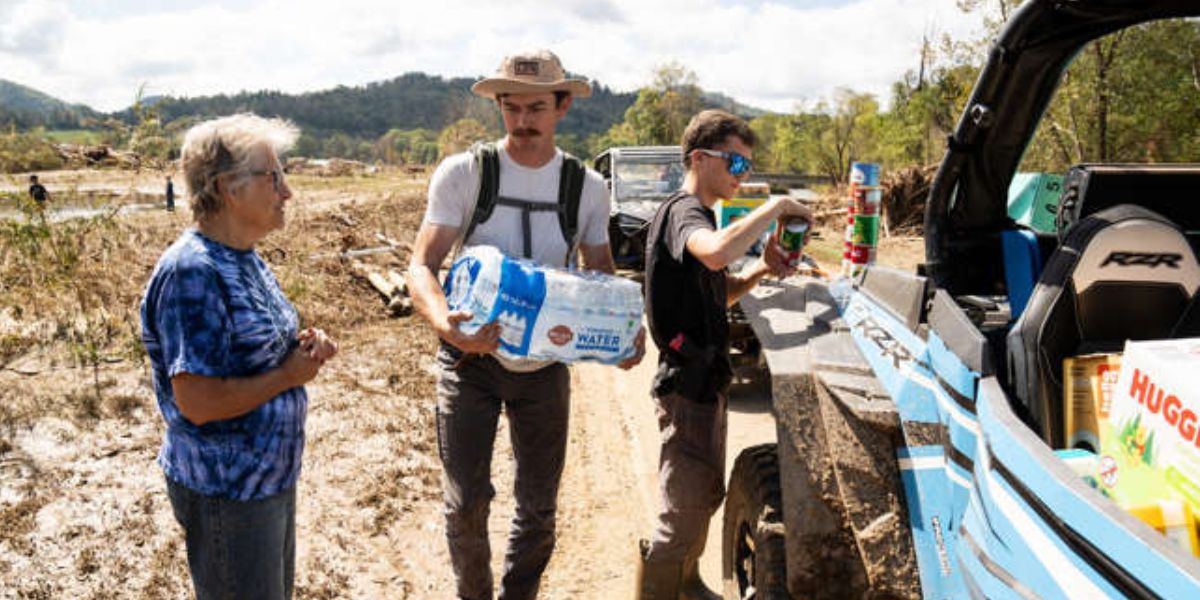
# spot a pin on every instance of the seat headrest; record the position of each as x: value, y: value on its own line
x: 1138, y: 250
x: 1134, y: 278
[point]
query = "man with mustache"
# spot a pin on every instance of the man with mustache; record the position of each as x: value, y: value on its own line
x: 529, y: 199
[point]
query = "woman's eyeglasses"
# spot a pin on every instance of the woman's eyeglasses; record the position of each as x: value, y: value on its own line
x: 276, y: 178
x: 738, y: 164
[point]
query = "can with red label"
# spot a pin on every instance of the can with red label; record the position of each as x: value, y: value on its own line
x: 792, y: 240
x: 861, y: 255
x: 865, y: 200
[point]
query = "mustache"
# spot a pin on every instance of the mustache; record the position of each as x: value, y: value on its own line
x: 525, y: 132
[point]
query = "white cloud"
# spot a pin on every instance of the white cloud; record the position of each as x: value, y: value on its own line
x: 769, y: 54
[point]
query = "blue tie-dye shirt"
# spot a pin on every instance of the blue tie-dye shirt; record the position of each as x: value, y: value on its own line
x: 215, y: 311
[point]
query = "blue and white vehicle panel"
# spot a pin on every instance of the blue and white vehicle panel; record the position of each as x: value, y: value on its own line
x: 994, y: 513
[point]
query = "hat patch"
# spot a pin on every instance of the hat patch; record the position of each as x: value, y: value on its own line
x: 526, y: 67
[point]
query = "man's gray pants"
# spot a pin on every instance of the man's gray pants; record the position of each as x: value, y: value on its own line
x: 537, y: 404
x: 691, y: 475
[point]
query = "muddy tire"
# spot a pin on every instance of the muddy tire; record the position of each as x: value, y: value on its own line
x: 754, y: 561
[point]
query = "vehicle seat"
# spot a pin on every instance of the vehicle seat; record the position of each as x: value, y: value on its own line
x: 1122, y: 273
x: 1022, y: 267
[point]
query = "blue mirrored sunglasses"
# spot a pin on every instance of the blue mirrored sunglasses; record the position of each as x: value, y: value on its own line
x: 738, y: 164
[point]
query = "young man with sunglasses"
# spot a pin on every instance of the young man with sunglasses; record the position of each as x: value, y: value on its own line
x: 688, y: 289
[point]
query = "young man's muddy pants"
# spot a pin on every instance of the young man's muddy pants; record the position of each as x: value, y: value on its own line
x: 537, y: 405
x: 691, y: 474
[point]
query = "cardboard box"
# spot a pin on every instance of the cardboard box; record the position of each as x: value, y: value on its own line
x: 1150, y: 444
x: 1088, y: 382
x: 1085, y: 464
x: 1033, y: 200
x: 1173, y: 519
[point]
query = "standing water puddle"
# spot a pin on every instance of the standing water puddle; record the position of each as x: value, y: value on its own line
x: 87, y: 201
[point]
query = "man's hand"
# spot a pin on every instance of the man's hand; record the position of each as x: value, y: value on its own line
x: 484, y: 341
x: 775, y: 257
x: 791, y: 208
x: 639, y: 347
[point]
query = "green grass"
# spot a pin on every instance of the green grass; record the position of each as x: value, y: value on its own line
x: 75, y: 136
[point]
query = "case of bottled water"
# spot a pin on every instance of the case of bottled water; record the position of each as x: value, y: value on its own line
x: 543, y: 312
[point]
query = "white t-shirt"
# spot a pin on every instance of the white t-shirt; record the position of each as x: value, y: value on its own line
x: 455, y: 186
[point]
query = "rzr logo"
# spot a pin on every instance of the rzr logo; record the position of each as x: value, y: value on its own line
x: 887, y: 344
x: 1143, y: 259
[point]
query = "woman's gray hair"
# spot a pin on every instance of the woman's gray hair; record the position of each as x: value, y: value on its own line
x: 227, y: 146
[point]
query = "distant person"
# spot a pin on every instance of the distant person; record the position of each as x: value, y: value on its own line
x: 474, y: 386
x: 38, y: 192
x: 670, y: 177
x: 229, y: 365
x: 688, y: 290
x: 170, y: 194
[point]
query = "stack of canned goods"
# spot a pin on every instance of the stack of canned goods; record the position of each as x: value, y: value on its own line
x: 862, y: 229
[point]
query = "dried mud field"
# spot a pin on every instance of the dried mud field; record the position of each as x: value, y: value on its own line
x: 83, y: 508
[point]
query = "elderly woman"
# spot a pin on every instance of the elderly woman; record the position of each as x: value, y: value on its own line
x: 230, y: 365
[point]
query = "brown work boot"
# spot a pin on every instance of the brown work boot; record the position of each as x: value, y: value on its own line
x: 691, y: 587
x: 656, y: 580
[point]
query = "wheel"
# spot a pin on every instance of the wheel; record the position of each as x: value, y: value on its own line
x: 754, y: 558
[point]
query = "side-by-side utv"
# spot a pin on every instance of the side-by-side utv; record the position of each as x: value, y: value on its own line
x: 918, y: 414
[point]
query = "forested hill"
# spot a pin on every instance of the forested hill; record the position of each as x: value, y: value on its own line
x: 26, y: 108
x: 411, y: 101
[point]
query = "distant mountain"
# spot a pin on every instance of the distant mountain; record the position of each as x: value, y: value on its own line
x: 411, y: 101
x: 26, y: 108
x: 719, y: 100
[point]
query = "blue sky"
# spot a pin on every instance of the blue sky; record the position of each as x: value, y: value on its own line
x: 774, y: 54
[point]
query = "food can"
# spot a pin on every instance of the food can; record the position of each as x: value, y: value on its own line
x: 792, y: 240
x: 866, y: 230
x: 864, y: 174
x: 865, y: 200
x: 862, y: 254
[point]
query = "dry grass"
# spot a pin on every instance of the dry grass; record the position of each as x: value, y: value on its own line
x: 83, y: 510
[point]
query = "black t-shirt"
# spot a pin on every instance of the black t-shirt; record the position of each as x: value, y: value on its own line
x: 685, y: 297
x: 38, y: 191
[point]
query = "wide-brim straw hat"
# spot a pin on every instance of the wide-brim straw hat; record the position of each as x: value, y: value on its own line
x: 535, y: 72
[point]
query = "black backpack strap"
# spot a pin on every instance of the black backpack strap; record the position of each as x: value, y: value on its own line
x: 527, y: 208
x: 487, y: 160
x: 570, y: 190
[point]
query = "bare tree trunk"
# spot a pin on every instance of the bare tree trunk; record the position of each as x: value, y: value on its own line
x: 1104, y: 60
x: 1195, y: 68
x: 1064, y: 148
x: 1080, y: 151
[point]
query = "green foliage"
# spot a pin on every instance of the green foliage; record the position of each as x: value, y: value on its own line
x: 29, y: 151
x: 1128, y: 97
x: 414, y: 146
x: 148, y: 138
x: 662, y: 110
x: 409, y: 102
x: 460, y: 135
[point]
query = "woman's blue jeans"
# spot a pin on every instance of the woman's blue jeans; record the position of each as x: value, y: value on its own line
x: 238, y: 549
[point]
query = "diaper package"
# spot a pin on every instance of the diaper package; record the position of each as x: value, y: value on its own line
x: 545, y: 313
